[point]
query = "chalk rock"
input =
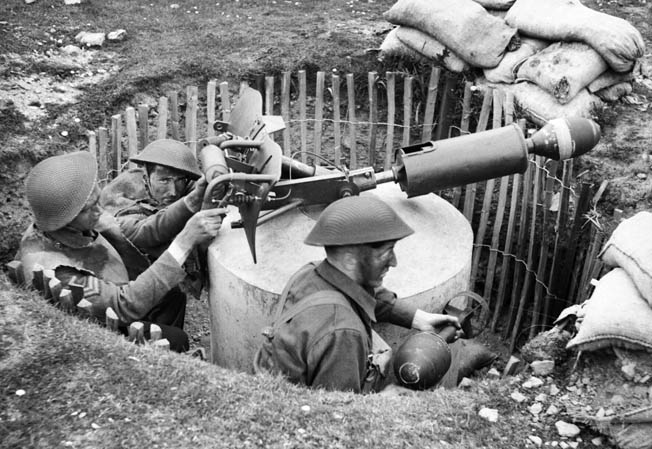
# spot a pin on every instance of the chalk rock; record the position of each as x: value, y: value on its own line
x: 518, y: 396
x: 29, y: 1
x: 554, y: 390
x: 513, y: 366
x: 490, y: 414
x: 542, y: 367
x: 465, y: 383
x: 532, y: 382
x: 493, y: 372
x: 117, y: 35
x: 552, y: 410
x: 567, y: 429
x: 629, y: 369
x: 536, y: 408
x: 90, y: 39
x: 71, y: 50
x: 536, y: 440
x: 74, y: 2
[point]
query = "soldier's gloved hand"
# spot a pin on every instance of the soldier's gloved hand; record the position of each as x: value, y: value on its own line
x: 200, y: 228
x: 195, y: 198
x: 432, y: 322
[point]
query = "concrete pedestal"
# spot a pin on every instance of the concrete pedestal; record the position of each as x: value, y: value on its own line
x: 434, y: 263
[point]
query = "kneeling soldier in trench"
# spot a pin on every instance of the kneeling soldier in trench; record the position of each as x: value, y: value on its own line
x: 324, y: 336
x: 72, y: 236
x: 152, y: 204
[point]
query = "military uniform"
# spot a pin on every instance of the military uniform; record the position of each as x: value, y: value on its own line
x: 147, y: 225
x: 93, y: 252
x: 90, y: 260
x: 324, y: 337
x: 150, y: 227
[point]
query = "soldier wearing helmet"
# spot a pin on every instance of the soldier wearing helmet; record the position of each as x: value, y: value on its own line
x: 82, y: 245
x: 153, y: 202
x: 323, y: 335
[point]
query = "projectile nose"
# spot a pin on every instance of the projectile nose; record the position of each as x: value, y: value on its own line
x: 565, y: 138
x: 585, y: 134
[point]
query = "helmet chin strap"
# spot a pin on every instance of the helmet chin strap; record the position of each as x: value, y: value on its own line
x: 148, y: 186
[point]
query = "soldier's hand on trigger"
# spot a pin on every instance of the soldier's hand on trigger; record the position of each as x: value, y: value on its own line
x: 195, y: 198
x: 201, y: 228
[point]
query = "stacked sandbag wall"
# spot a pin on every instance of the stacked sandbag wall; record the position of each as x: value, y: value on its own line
x: 558, y: 58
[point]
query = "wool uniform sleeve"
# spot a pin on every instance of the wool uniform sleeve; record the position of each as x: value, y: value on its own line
x: 389, y: 309
x: 157, y: 229
x: 130, y: 301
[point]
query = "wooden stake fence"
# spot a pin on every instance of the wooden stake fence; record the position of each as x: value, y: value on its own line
x: 529, y: 260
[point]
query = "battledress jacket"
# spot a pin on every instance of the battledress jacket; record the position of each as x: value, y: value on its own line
x: 147, y: 225
x: 93, y: 261
x: 151, y: 228
x: 327, y: 343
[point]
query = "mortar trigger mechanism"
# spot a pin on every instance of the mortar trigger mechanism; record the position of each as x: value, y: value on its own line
x: 241, y: 168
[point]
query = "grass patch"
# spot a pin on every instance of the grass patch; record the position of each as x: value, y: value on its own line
x: 86, y: 387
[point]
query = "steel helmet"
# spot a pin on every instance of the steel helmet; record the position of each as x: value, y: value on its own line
x: 58, y: 187
x: 356, y: 220
x: 170, y: 153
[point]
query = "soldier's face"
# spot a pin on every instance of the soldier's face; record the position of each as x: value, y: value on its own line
x: 167, y: 184
x: 374, y: 263
x: 87, y: 219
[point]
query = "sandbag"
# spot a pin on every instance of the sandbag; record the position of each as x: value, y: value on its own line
x: 609, y: 78
x: 615, y: 315
x: 563, y: 69
x: 615, y: 39
x: 501, y: 5
x: 630, y: 248
x: 615, y: 92
x: 464, y: 26
x: 392, y: 46
x: 505, y: 72
x: 499, y: 13
x: 467, y: 356
x: 540, y: 106
x: 429, y: 47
